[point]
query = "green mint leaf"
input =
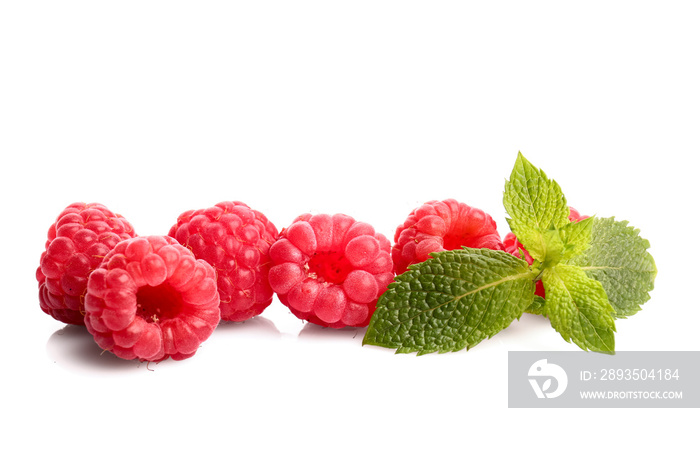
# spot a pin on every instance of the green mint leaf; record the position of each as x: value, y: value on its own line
x: 535, y: 204
x: 537, y: 306
x: 566, y: 242
x: 554, y: 246
x: 576, y: 237
x: 619, y: 260
x: 578, y: 308
x: 452, y: 301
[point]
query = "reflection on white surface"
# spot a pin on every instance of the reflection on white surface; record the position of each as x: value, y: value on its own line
x: 312, y: 331
x: 256, y: 326
x: 74, y: 348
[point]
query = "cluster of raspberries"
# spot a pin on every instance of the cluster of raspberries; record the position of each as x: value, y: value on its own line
x: 157, y: 297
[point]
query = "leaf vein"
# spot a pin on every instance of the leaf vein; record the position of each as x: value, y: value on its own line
x: 470, y: 292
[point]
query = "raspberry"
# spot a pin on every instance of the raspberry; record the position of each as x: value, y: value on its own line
x: 330, y: 270
x: 235, y: 240
x: 151, y: 299
x: 442, y: 226
x: 575, y: 216
x: 78, y: 240
x: 513, y: 246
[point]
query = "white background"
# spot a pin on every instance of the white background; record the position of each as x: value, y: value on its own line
x: 365, y: 108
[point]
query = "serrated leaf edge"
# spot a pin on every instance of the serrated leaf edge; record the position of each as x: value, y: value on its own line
x: 633, y: 231
x: 401, y: 349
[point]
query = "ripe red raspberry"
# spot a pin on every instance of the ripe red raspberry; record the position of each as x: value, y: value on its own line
x: 575, y: 216
x: 77, y: 241
x: 150, y: 299
x: 330, y: 270
x: 235, y: 240
x: 513, y: 246
x: 442, y: 226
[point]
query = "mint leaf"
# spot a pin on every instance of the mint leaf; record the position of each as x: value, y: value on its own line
x: 554, y: 246
x: 619, y: 260
x: 537, y: 306
x: 578, y: 308
x: 535, y: 204
x: 576, y: 237
x: 452, y: 301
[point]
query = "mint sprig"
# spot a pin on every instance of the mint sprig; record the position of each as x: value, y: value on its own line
x: 593, y: 271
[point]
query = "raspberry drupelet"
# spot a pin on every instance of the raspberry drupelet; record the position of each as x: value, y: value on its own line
x: 235, y: 240
x: 151, y: 299
x: 442, y: 226
x: 78, y: 240
x: 331, y: 269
